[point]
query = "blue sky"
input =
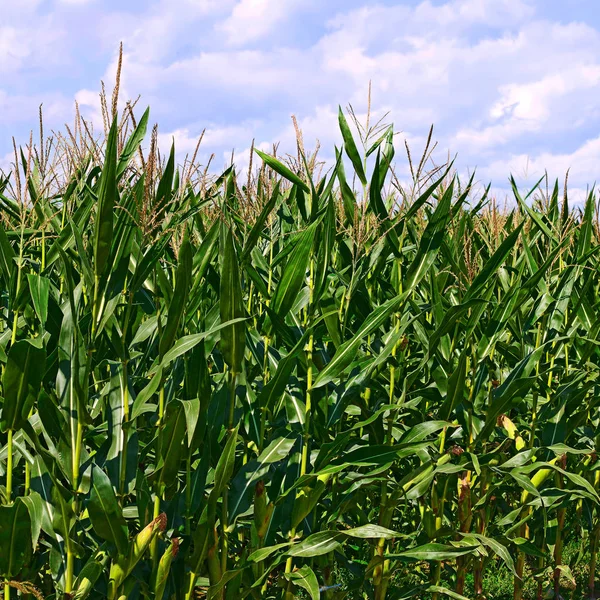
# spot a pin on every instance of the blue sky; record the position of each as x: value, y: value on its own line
x: 511, y: 86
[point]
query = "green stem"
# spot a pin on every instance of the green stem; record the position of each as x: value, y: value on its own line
x: 9, y: 467
x: 156, y: 512
x: 289, y: 565
x: 154, y: 543
x: 125, y: 408
x: 289, y: 593
x: 558, y: 548
x: 95, y: 306
x: 161, y: 406
x: 309, y: 383
x: 379, y: 573
x: 69, y: 575
x: 225, y: 498
x: 309, y: 373
x: 263, y: 409
x: 188, y: 493
x: 27, y: 479
x: 232, y: 384
x: 18, y: 290
x: 77, y: 461
x: 593, y: 557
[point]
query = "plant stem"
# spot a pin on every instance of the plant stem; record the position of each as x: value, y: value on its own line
x: 225, y: 498
x: 18, y: 290
x: 558, y: 548
x: 309, y: 382
x: 385, y: 513
x: 289, y: 595
x: 125, y: 408
x: 593, y: 558
x: 156, y: 511
x: 9, y: 467
x: 161, y: 406
x: 188, y: 493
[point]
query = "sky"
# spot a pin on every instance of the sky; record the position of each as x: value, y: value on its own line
x: 511, y: 86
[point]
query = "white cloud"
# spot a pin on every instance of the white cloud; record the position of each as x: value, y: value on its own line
x: 75, y: 2
x: 229, y: 136
x: 19, y: 10
x: 19, y: 108
x: 6, y: 162
x: 250, y: 20
x: 532, y: 101
x: 28, y: 46
x: 582, y: 164
x: 467, y: 12
x: 534, y: 107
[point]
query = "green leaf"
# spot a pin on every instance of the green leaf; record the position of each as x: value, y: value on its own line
x: 233, y: 337
x: 434, y: 552
x: 171, y: 440
x: 274, y: 389
x: 370, y: 532
x: 224, y: 469
x: 191, y: 408
x: 105, y: 513
x: 242, y: 485
x: 294, y: 272
x: 35, y: 506
x: 431, y: 241
x: 306, y: 579
x: 422, y: 430
x: 492, y: 265
x: 456, y: 388
x: 533, y: 214
x: 39, y: 288
x: 21, y: 380
x: 164, y: 190
x: 132, y: 144
x: 107, y: 198
x: 496, y: 547
x: 324, y: 542
x: 516, y: 385
x: 438, y: 589
x: 350, y: 147
x: 88, y: 576
x: 317, y: 544
x: 187, y: 342
x: 284, y: 171
x: 264, y: 553
x: 257, y: 228
x: 140, y: 404
x: 15, y: 538
x: 347, y: 351
x: 7, y: 256
x: 183, y: 280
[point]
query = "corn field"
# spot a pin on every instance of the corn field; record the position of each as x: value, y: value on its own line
x: 313, y: 383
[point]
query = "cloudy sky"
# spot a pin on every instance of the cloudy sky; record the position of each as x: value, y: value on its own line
x: 511, y: 86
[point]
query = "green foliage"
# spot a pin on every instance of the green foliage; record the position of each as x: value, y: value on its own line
x: 294, y: 388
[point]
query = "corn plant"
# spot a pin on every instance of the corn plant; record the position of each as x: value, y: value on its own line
x: 303, y: 385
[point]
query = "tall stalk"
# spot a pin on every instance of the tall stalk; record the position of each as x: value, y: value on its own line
x: 225, y: 497
x: 289, y: 593
x: 381, y: 571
